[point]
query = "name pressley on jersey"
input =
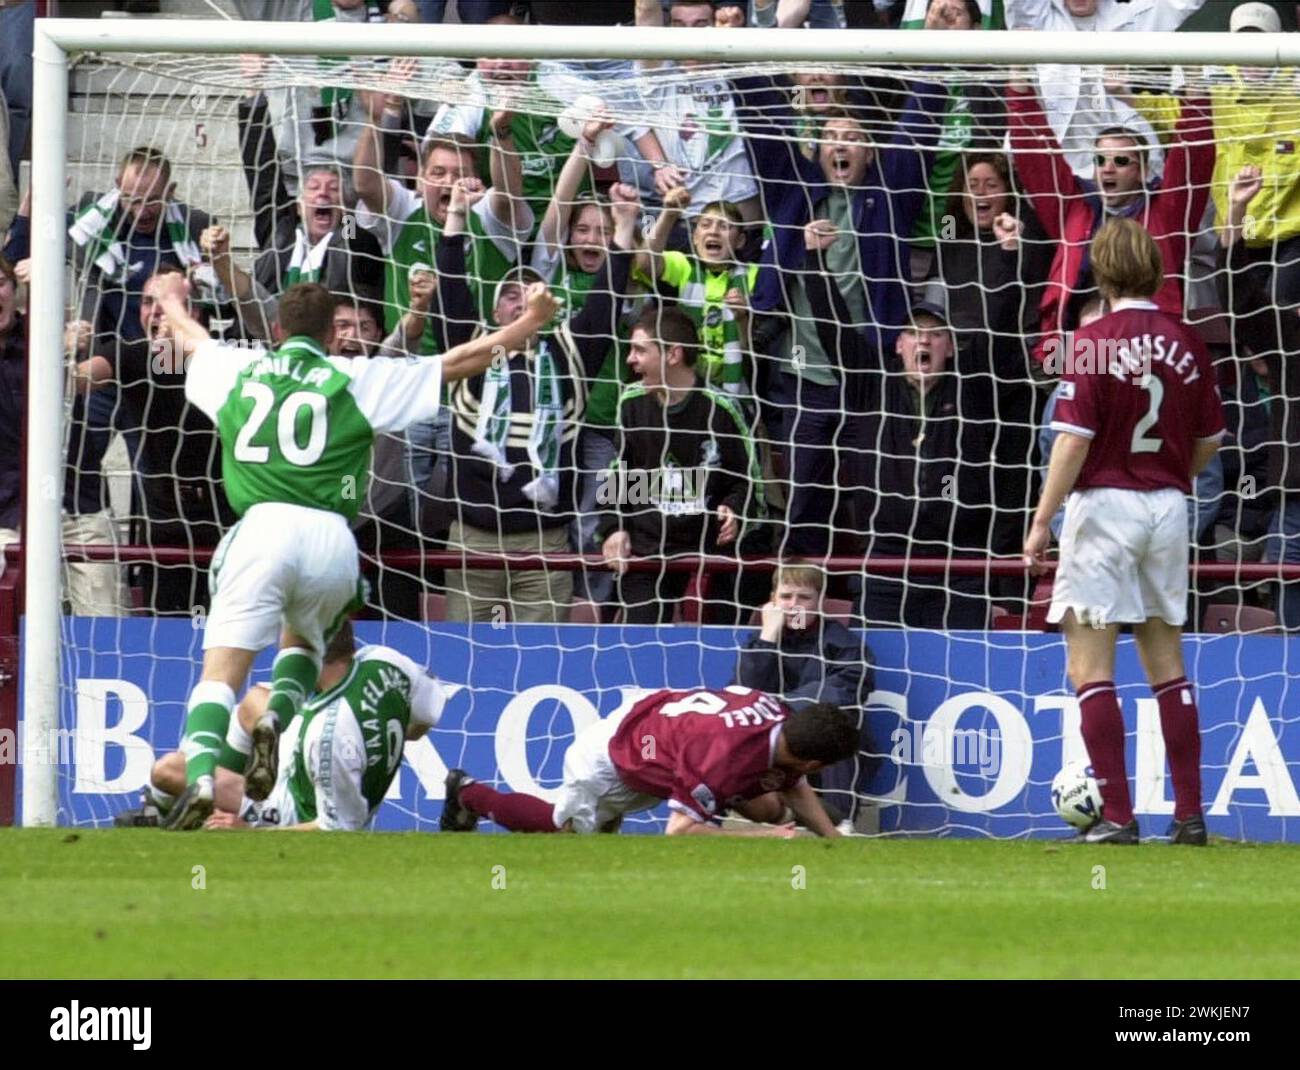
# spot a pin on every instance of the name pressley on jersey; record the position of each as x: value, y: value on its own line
x: 1127, y: 359
x: 1136, y: 357
x: 103, y: 1023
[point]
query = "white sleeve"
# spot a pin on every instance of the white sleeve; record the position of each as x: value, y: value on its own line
x: 339, y: 802
x: 546, y: 260
x: 498, y: 230
x: 212, y: 371
x: 394, y: 394
x: 1033, y: 15
x: 402, y: 202
x: 427, y: 695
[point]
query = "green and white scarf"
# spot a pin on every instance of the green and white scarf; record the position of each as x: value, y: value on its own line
x: 493, y: 428
x: 90, y: 231
x: 305, y: 264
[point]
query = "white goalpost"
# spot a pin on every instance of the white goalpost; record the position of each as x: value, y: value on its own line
x: 59, y: 43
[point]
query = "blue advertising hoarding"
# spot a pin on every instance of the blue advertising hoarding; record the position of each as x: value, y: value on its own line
x: 971, y: 727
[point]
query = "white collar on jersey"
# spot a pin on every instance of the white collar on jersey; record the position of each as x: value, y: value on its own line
x: 1125, y: 303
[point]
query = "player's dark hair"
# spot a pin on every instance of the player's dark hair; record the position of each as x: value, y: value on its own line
x: 1126, y: 261
x: 371, y: 308
x: 7, y: 270
x: 668, y: 326
x: 147, y: 156
x: 343, y: 645
x: 822, y: 732
x: 307, y: 308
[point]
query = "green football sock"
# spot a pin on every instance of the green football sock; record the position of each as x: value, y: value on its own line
x: 235, y: 748
x: 205, y: 728
x: 293, y: 678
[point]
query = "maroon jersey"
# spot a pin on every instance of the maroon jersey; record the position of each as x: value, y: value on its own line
x: 704, y: 751
x: 1141, y: 386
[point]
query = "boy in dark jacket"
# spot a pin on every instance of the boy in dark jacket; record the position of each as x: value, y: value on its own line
x: 802, y: 657
x: 687, y: 480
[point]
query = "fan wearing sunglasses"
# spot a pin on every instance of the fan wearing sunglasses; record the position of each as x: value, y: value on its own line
x: 1072, y: 210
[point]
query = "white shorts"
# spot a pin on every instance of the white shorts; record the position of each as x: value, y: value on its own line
x: 592, y: 797
x: 1123, y: 557
x: 282, y: 566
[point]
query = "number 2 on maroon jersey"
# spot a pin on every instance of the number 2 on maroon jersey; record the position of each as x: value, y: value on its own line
x: 1141, y: 443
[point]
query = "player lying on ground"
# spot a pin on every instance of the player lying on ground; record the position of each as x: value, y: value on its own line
x: 297, y: 428
x: 1140, y: 416
x: 342, y: 751
x: 706, y: 752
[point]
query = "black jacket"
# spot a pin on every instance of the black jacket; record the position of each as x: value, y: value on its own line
x: 926, y: 475
x: 706, y: 443
x: 180, y: 454
x: 1274, y: 335
x: 827, y: 663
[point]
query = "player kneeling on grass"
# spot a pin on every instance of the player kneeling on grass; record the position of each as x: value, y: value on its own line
x: 1139, y: 416
x: 340, y: 753
x: 297, y: 429
x: 706, y: 752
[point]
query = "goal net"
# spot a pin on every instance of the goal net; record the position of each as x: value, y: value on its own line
x: 813, y: 313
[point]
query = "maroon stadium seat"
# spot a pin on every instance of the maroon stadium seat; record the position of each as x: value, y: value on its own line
x: 1234, y: 618
x: 433, y: 607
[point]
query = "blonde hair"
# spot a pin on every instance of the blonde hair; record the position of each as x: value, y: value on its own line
x: 1126, y: 261
x: 799, y: 575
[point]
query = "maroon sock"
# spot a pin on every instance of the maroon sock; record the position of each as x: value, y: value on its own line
x: 517, y: 812
x: 1179, y: 722
x: 1103, y: 735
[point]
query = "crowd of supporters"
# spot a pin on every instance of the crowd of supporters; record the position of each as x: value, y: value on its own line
x: 804, y: 315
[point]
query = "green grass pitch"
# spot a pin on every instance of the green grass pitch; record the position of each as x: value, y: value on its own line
x: 125, y: 903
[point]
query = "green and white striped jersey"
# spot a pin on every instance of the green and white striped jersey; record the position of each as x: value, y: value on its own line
x: 298, y: 426
x: 349, y: 745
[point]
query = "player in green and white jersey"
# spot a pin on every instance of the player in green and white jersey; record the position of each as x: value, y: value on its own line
x: 347, y: 744
x: 297, y: 429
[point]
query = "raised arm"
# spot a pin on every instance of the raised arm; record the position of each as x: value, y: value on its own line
x: 1189, y: 167
x: 593, y: 328
x: 555, y: 223
x: 473, y: 357
x: 173, y: 294
x: 506, y: 198
x: 459, y: 310
x: 262, y: 174
x: 791, y: 14
x: 368, y: 177
x: 838, y: 336
x: 650, y: 260
x: 1040, y: 164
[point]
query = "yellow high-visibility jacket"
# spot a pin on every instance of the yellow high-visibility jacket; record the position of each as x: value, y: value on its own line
x: 1258, y: 122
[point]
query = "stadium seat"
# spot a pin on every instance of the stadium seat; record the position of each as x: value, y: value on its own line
x: 690, y: 610
x: 584, y: 612
x: 433, y: 606
x: 1039, y: 603
x: 1006, y: 621
x: 1234, y: 618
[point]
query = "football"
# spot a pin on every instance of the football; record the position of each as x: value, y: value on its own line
x: 1076, y: 796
